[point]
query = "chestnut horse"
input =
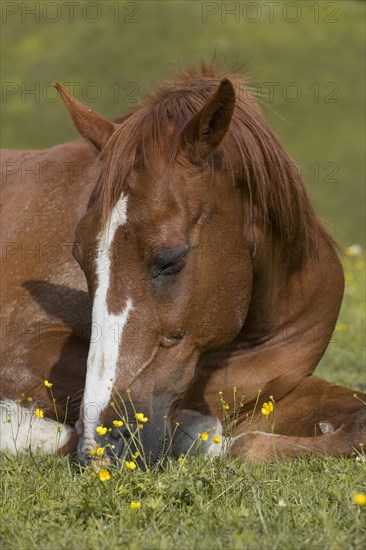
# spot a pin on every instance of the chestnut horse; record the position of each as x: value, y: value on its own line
x: 204, y: 268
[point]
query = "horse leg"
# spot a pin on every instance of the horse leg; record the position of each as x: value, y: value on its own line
x: 61, y: 358
x: 316, y: 418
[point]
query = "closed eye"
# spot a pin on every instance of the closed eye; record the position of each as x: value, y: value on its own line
x: 169, y: 262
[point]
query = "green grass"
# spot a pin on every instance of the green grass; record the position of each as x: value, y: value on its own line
x: 344, y: 360
x: 220, y: 504
x: 50, y: 503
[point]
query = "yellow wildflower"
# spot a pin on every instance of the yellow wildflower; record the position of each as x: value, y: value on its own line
x: 216, y: 439
x: 48, y: 384
x: 135, y: 505
x: 101, y: 430
x: 39, y: 413
x: 30, y: 399
x: 134, y: 456
x: 130, y: 465
x: 99, y: 451
x: 354, y: 250
x: 141, y: 417
x: 104, y: 475
x: 180, y: 459
x: 117, y: 423
x: 226, y: 406
x: 360, y: 499
x: 204, y: 436
x: 267, y: 408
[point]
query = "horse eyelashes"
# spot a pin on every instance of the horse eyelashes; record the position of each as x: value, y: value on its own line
x: 170, y: 262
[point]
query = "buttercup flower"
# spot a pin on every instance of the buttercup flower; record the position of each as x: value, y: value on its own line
x: 135, y: 505
x: 354, y: 250
x: 134, y: 456
x: 204, y: 436
x: 216, y: 439
x: 130, y: 465
x: 101, y: 430
x: 117, y: 423
x: 99, y: 451
x: 141, y: 417
x: 48, y: 384
x: 267, y: 408
x: 39, y: 413
x: 360, y: 499
x: 104, y: 475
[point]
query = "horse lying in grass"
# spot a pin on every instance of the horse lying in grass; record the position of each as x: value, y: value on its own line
x: 206, y: 267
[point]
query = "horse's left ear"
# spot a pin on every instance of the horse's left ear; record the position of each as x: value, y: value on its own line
x: 205, y: 131
x: 93, y: 127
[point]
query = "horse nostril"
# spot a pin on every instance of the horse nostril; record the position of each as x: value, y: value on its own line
x: 117, y: 440
x: 118, y: 433
x: 116, y: 447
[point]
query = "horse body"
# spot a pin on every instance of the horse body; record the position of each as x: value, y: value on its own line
x: 206, y: 267
x: 45, y: 308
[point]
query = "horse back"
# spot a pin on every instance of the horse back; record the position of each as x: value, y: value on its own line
x: 44, y: 298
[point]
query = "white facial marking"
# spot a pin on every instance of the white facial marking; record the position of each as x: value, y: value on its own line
x: 21, y: 430
x: 107, y: 330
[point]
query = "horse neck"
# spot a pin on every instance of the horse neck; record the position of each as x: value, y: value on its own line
x: 284, y: 295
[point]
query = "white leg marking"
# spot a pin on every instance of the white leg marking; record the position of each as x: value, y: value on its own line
x: 21, y: 430
x: 107, y: 332
x: 187, y: 436
x: 326, y: 427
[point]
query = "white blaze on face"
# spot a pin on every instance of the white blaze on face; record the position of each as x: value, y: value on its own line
x: 107, y: 331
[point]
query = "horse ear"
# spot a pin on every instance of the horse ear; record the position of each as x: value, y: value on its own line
x: 205, y: 131
x: 93, y: 127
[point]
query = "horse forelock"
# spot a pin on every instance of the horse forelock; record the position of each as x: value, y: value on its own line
x: 271, y: 179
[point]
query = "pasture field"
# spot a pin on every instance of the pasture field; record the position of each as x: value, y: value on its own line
x: 50, y: 503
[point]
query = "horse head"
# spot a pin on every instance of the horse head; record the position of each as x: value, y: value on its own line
x: 150, y: 245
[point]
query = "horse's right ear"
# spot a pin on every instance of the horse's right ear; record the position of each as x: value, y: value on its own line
x: 93, y: 127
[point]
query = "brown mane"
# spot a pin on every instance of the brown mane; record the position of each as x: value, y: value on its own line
x: 270, y: 177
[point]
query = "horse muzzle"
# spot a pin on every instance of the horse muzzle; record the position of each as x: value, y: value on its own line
x: 144, y: 444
